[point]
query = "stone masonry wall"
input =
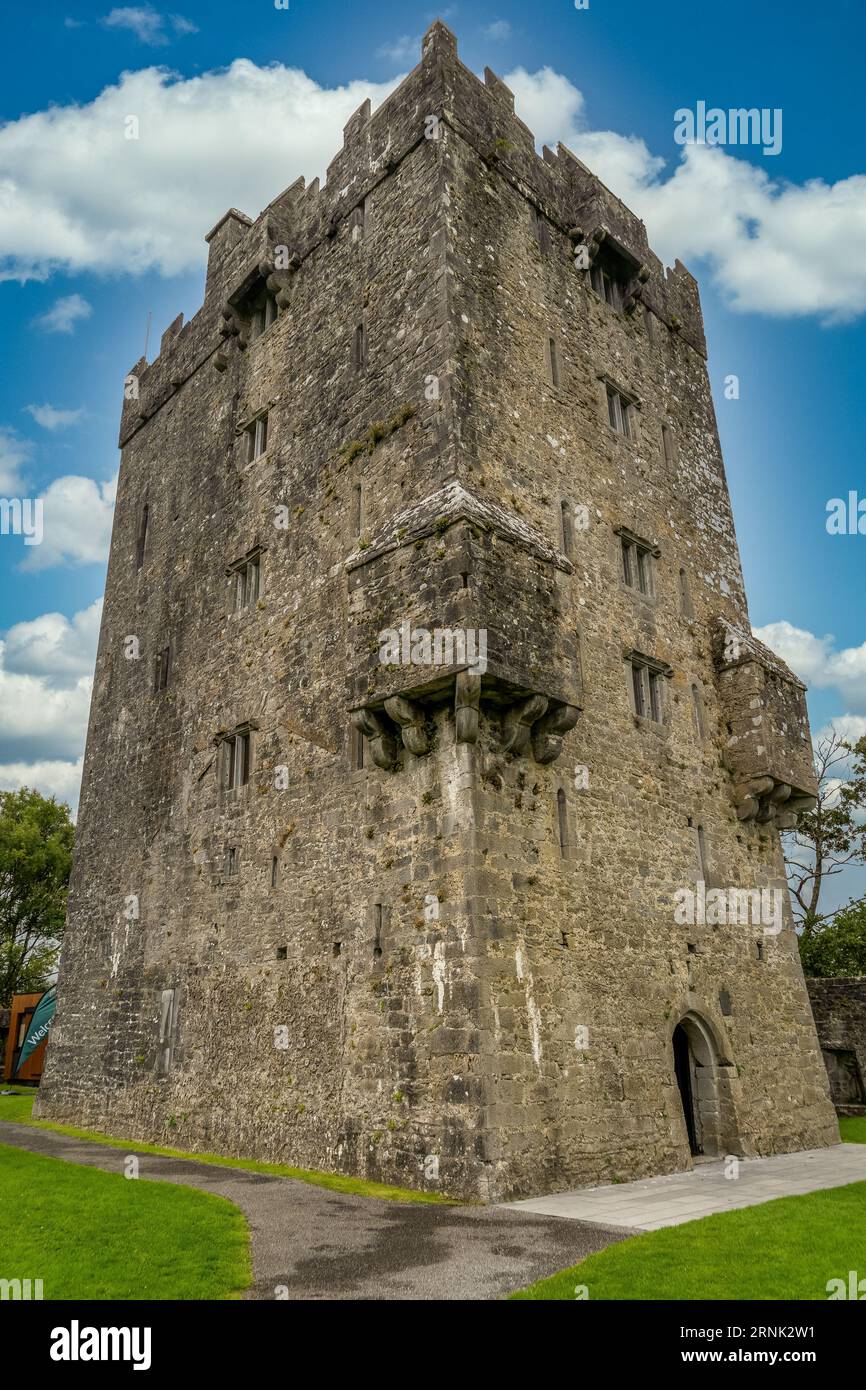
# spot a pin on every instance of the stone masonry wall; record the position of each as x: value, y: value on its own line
x: 839, y: 1007
x: 458, y: 967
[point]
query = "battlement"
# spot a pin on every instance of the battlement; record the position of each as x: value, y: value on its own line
x: 440, y: 92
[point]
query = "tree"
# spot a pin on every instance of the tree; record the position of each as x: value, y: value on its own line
x: 837, y: 947
x: 36, y: 835
x: 833, y: 835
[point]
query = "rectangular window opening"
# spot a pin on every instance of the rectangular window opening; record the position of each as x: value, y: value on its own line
x: 637, y: 565
x: 553, y: 362
x: 360, y: 348
x: 236, y: 761
x: 257, y: 437
x: 619, y: 411
x: 647, y: 690
x: 142, y: 536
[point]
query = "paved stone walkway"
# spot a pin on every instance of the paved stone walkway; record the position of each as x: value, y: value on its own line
x: 319, y: 1244
x: 679, y: 1197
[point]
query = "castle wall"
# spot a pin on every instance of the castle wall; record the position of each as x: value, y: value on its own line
x: 460, y: 968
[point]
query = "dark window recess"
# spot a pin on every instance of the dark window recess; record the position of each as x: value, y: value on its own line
x: 236, y: 760
x: 336, y: 949
x: 687, y: 608
x: 668, y: 444
x: 360, y: 348
x: 541, y: 230
x: 647, y: 691
x: 562, y: 820
x: 246, y: 576
x: 606, y: 287
x: 759, y: 950
x: 142, y: 537
x: 701, y: 846
x: 257, y: 437
x: 610, y: 273
x: 232, y: 861
x: 725, y: 1003
x: 619, y: 412
x: 552, y: 354
x: 698, y: 711
x: 262, y: 311
x: 358, y: 221
x: 275, y: 870
x: 637, y: 565
x: 356, y: 743
x: 377, y: 931
x: 282, y: 953
x: 357, y: 509
x: 566, y: 528
x: 162, y: 670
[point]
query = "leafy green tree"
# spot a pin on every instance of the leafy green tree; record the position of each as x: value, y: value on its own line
x: 36, y: 835
x: 837, y: 947
x: 831, y: 837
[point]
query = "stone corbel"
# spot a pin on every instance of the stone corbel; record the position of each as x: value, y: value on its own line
x: 276, y: 282
x: 383, y: 745
x: 517, y: 723
x: 549, y: 730
x: 231, y: 326
x: 768, y: 802
x: 467, y: 693
x: 634, y: 290
x: 410, y: 718
x: 592, y: 241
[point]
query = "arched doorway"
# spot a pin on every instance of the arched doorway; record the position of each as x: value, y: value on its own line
x: 684, y: 1066
x: 703, y: 1080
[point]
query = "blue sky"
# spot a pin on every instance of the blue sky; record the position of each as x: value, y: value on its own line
x: 96, y: 233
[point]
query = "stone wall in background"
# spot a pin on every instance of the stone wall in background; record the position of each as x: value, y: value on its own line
x: 839, y: 1007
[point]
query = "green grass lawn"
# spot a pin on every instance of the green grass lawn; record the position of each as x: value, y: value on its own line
x: 18, y: 1108
x: 853, y: 1129
x: 93, y: 1235
x: 788, y: 1248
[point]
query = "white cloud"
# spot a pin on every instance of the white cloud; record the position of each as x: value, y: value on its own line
x: 64, y: 313
x: 405, y: 49
x: 77, y: 195
x: 147, y: 24
x: 46, y: 677
x: 14, y: 455
x: 52, y: 647
x: 851, y: 727
x: 77, y: 523
x: 819, y: 663
x: 765, y: 240
x: 51, y: 776
x: 45, y: 683
x: 50, y: 418
x: 498, y: 31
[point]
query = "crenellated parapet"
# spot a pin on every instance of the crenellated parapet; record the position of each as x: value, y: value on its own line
x: 439, y: 94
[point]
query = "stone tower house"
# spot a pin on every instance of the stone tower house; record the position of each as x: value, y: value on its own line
x: 359, y: 900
